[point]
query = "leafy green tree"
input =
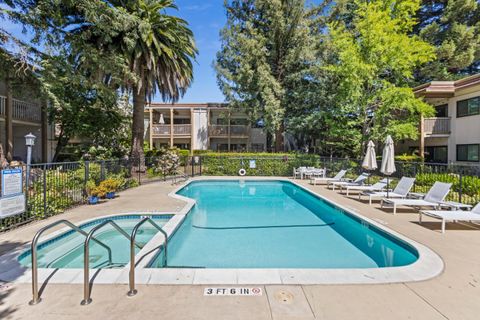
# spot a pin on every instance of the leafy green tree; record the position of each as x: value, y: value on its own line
x: 134, y: 44
x: 265, y: 46
x: 375, y: 59
x: 79, y: 107
x: 453, y: 27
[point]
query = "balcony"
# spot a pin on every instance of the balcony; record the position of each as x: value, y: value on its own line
x: 22, y: 110
x: 178, y: 129
x: 222, y: 131
x: 436, y: 127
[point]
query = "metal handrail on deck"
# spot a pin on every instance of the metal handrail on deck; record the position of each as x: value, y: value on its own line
x: 132, y: 290
x: 36, y: 297
x: 86, y: 257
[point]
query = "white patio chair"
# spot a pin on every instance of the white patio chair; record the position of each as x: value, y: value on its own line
x: 298, y: 172
x: 432, y: 199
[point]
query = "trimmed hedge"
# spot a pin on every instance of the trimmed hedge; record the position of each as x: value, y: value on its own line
x: 266, y: 164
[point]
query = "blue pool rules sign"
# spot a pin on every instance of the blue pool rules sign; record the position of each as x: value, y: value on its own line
x: 12, y: 201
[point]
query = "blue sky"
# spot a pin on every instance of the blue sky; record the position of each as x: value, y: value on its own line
x: 205, y: 18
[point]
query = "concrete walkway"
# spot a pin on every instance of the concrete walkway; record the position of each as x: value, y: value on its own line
x: 455, y: 294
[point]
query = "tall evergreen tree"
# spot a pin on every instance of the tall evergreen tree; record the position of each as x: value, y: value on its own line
x: 453, y: 27
x: 265, y: 46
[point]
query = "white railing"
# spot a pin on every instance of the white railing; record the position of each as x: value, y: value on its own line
x: 437, y: 125
x: 182, y: 129
x: 161, y: 129
x: 222, y: 130
x: 27, y: 111
x: 238, y: 130
x: 178, y: 129
x: 22, y: 110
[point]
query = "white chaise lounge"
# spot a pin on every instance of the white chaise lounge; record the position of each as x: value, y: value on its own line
x: 452, y: 216
x: 379, y: 186
x: 343, y: 184
x: 338, y: 177
x: 432, y: 199
x: 400, y: 192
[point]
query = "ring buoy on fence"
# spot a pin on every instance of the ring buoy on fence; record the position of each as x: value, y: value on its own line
x: 242, y: 172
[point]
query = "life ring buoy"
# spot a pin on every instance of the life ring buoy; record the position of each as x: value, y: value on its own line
x: 242, y: 172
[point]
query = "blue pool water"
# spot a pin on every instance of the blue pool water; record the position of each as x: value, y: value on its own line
x: 66, y: 250
x: 275, y: 224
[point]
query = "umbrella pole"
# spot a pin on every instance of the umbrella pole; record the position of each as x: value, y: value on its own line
x: 388, y: 186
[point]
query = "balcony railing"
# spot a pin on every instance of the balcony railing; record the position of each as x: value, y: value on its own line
x: 222, y: 131
x: 434, y: 126
x: 178, y: 129
x: 22, y: 110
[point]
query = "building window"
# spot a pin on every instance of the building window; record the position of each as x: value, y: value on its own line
x: 239, y: 122
x: 257, y: 147
x: 181, y: 121
x: 437, y: 154
x: 468, y: 107
x: 468, y: 152
x: 441, y: 111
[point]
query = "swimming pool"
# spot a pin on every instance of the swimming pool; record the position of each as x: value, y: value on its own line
x: 66, y: 249
x: 276, y: 224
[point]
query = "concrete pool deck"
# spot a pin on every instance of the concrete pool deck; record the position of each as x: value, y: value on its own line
x: 455, y: 294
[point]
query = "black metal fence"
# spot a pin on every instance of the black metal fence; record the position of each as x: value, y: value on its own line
x: 55, y: 187
x: 465, y: 179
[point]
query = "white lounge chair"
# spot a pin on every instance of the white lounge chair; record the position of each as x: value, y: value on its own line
x: 452, y: 216
x: 434, y: 196
x: 357, y: 182
x: 379, y: 186
x: 339, y: 176
x: 400, y: 192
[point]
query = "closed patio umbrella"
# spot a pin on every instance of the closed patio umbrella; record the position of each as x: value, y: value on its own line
x: 370, y: 160
x: 388, y: 160
x: 162, y: 120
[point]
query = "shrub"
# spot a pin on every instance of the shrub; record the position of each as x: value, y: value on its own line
x: 111, y: 184
x: 408, y: 158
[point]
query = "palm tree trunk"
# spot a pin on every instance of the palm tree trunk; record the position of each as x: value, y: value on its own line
x: 138, y: 129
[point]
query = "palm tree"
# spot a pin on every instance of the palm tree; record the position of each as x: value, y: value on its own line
x: 160, y: 55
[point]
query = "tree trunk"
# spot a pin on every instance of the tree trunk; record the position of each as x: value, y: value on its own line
x: 62, y: 141
x: 138, y: 129
x: 279, y: 145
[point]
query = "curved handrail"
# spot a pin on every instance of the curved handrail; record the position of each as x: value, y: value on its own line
x: 86, y: 257
x: 36, y: 297
x: 131, y: 281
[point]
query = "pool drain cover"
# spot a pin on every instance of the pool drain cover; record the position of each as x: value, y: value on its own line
x: 283, y: 296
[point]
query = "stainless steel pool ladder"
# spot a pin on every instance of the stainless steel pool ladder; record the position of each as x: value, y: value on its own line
x: 86, y: 257
x: 131, y: 274
x: 36, y: 296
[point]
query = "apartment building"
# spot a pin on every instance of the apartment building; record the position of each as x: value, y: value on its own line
x: 20, y: 114
x: 453, y: 135
x: 201, y: 126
